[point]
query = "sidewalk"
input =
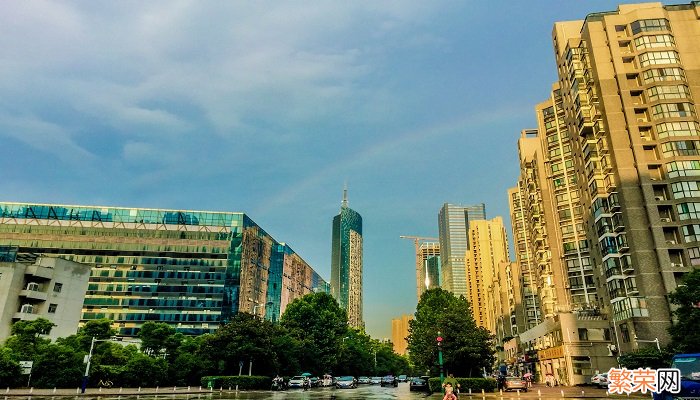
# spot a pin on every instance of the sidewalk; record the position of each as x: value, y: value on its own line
x: 96, y: 392
x: 543, y: 391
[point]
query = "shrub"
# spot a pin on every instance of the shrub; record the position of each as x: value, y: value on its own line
x: 244, y: 382
x: 475, y: 384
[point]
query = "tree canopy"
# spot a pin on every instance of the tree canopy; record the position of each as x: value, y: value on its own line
x: 685, y: 334
x: 466, y: 347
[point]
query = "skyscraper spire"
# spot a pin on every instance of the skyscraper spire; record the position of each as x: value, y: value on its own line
x: 344, y: 204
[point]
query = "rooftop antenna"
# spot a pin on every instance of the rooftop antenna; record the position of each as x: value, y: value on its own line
x: 345, y: 196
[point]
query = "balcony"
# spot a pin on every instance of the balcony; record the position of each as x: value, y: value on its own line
x: 26, y: 313
x: 39, y: 272
x: 32, y: 294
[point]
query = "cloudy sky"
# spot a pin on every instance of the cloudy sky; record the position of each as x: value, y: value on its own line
x: 269, y: 107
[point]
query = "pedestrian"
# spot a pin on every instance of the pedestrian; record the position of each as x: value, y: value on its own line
x: 449, y: 394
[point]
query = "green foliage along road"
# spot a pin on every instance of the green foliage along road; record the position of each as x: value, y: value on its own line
x: 466, y: 348
x: 312, y: 336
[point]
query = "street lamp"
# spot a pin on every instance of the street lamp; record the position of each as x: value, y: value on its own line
x: 255, y: 307
x: 89, y: 360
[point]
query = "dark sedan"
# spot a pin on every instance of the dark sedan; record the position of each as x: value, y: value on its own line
x: 390, y: 380
x: 420, y: 384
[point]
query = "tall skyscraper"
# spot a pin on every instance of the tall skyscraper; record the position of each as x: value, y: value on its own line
x: 453, y: 223
x: 190, y: 269
x: 487, y: 253
x: 346, y: 262
x: 399, y: 333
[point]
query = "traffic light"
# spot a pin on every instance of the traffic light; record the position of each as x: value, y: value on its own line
x: 439, y: 340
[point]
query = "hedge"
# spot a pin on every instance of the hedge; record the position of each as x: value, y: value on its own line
x: 244, y: 382
x: 475, y: 384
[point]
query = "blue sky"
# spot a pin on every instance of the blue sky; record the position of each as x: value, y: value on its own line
x: 269, y: 107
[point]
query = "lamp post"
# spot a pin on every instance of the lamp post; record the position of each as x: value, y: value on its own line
x: 439, y: 344
x: 88, y: 361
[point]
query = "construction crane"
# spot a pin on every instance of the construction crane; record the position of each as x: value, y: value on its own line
x: 420, y: 272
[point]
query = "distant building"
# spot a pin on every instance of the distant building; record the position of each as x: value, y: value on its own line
x: 191, y: 269
x: 488, y: 251
x: 427, y: 267
x: 346, y: 262
x: 399, y: 333
x: 50, y: 288
x: 453, y: 223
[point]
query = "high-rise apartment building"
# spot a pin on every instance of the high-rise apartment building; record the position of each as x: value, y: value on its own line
x: 50, y: 288
x: 427, y: 267
x: 399, y: 333
x: 190, y: 269
x: 628, y: 79
x: 346, y: 262
x: 453, y: 223
x: 488, y: 248
x: 611, y: 169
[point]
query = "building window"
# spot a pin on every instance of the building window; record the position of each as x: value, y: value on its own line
x: 582, y: 334
x: 663, y: 74
x: 52, y: 308
x: 652, y: 41
x: 681, y: 128
x: 57, y: 287
x: 658, y: 57
x: 625, y: 333
x: 680, y: 148
x: 650, y: 25
x: 683, y: 168
x: 668, y: 92
x: 694, y: 255
x: 581, y: 365
x: 691, y: 233
x: 672, y: 110
x: 685, y: 189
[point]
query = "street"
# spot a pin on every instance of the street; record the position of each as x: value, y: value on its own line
x: 362, y: 392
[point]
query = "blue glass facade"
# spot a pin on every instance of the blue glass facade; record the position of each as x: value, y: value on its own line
x: 346, y: 263
x: 192, y: 269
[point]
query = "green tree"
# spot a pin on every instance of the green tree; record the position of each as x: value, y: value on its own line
x: 190, y: 363
x: 685, y: 334
x: 245, y: 338
x: 388, y: 362
x: 26, y: 339
x: 319, y: 324
x: 356, y: 355
x: 466, y: 348
x: 157, y: 338
x: 57, y: 365
x: 10, y: 372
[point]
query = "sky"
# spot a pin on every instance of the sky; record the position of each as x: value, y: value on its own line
x: 269, y: 107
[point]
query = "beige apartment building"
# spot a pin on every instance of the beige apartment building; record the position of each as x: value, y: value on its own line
x: 604, y: 217
x: 488, y: 248
x: 50, y: 288
x: 399, y: 333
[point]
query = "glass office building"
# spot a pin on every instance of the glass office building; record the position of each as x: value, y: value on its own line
x: 346, y: 263
x: 190, y: 269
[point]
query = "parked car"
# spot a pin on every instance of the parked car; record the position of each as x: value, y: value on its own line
x: 689, y: 365
x: 515, y: 383
x: 346, y: 382
x: 296, y: 382
x: 376, y: 380
x: 403, y: 378
x: 363, y: 380
x: 315, y: 382
x: 389, y: 380
x: 600, y: 380
x: 420, y: 384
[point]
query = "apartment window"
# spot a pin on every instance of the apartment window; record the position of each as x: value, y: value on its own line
x: 653, y: 41
x: 57, y: 287
x: 682, y: 190
x: 650, y: 25
x: 681, y: 148
x: 688, y: 211
x: 52, y: 308
x: 681, y: 128
x: 683, y: 168
x: 668, y: 92
x: 663, y: 74
x: 673, y: 110
x: 658, y: 57
x: 582, y: 334
x: 691, y: 233
x: 625, y: 333
x: 694, y: 255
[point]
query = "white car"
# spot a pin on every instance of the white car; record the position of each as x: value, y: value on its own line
x: 600, y: 380
x: 297, y: 382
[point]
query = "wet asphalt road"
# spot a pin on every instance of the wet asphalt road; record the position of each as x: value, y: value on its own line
x: 362, y: 392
